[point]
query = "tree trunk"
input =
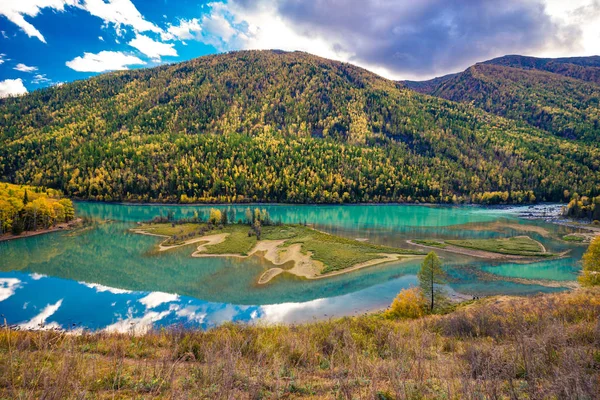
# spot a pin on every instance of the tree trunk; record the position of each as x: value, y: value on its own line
x: 431, y: 285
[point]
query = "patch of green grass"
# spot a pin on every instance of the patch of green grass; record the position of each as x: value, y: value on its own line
x: 282, y: 232
x: 431, y: 243
x: 521, y: 246
x: 573, y: 238
x: 338, y: 253
x: 237, y: 242
x: 169, y: 229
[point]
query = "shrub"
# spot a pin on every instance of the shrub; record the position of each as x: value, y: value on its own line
x: 409, y: 304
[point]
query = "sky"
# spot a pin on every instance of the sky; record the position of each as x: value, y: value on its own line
x: 50, y: 42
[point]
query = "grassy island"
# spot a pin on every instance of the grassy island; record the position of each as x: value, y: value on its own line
x: 514, y: 247
x: 297, y: 249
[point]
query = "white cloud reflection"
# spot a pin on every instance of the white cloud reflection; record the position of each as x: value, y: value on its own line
x: 8, y: 287
x: 101, y: 288
x: 155, y: 299
x: 39, y: 321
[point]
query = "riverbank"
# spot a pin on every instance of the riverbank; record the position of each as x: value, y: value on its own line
x: 494, y: 347
x: 63, y: 226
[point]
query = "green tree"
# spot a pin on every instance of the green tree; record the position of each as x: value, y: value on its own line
x: 431, y: 275
x: 591, y: 264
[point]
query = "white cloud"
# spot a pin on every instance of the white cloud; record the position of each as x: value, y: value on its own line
x: 186, y: 30
x: 152, y: 48
x: 39, y: 79
x: 218, y: 25
x: 39, y: 321
x: 103, y: 61
x: 16, y: 10
x: 2, y: 55
x: 25, y: 68
x: 8, y: 285
x: 155, y: 299
x: 12, y: 87
x: 101, y: 288
x: 231, y: 26
x: 120, y: 13
x: 586, y: 15
x: 101, y: 38
x: 365, y: 35
x: 35, y: 276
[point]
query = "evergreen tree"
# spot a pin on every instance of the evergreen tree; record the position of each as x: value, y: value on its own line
x: 431, y: 275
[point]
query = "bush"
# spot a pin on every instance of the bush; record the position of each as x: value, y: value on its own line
x: 409, y: 304
x: 596, y: 222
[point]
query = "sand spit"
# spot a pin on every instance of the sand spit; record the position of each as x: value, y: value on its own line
x: 488, y: 255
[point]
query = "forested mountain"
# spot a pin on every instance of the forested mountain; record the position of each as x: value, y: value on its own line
x: 583, y: 68
x: 276, y: 126
x: 559, y: 96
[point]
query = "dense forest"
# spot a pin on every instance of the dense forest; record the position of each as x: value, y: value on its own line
x: 560, y: 96
x: 582, y: 68
x: 27, y: 208
x: 281, y: 127
x: 584, y: 207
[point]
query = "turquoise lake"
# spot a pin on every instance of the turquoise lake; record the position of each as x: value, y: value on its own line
x: 105, y: 277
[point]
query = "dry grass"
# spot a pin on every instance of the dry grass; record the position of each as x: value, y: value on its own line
x: 542, y: 347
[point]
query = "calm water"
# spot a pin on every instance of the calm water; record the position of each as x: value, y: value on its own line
x: 103, y: 277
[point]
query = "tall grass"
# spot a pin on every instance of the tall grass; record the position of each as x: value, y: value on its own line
x: 540, y: 347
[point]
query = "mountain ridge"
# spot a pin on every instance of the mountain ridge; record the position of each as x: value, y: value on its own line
x: 559, y: 96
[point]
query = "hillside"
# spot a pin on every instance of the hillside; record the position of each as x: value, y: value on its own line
x: 563, y: 106
x: 560, y: 96
x: 276, y: 126
x: 543, y: 347
x: 582, y: 68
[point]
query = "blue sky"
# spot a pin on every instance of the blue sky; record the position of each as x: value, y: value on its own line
x: 48, y: 42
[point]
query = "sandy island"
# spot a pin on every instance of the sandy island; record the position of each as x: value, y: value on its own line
x: 274, y: 251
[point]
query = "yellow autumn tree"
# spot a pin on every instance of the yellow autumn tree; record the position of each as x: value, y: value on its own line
x: 590, y: 275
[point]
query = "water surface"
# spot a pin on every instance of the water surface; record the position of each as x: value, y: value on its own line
x: 104, y: 277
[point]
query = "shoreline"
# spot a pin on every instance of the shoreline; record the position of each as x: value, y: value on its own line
x: 62, y: 227
x: 267, y: 203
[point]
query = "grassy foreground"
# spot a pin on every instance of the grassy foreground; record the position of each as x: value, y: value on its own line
x: 335, y: 252
x: 539, y: 347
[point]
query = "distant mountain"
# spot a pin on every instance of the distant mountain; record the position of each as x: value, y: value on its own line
x: 583, y: 68
x: 559, y: 95
x: 277, y: 126
x: 429, y: 86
